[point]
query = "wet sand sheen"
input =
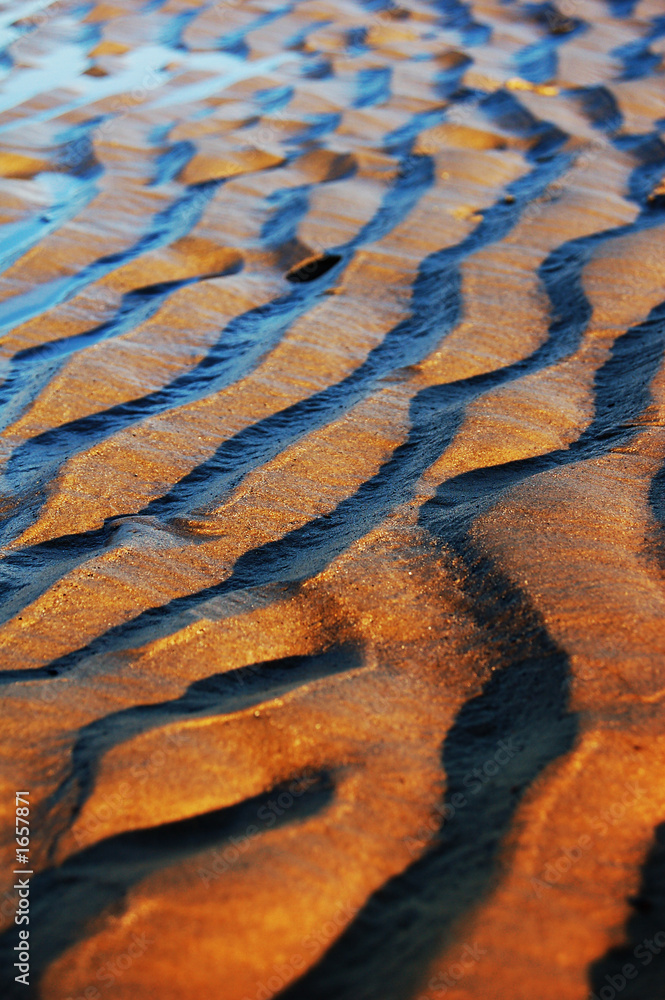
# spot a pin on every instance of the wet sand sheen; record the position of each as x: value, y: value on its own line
x: 332, y: 517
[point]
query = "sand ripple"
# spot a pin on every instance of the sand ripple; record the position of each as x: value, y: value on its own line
x: 332, y: 501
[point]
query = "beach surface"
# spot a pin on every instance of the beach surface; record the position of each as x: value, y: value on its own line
x: 332, y: 498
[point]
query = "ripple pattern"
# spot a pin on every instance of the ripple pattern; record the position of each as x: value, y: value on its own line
x: 332, y: 497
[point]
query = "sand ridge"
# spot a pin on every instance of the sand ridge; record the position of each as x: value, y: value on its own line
x: 331, y: 504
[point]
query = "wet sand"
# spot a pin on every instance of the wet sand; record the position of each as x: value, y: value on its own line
x: 332, y: 512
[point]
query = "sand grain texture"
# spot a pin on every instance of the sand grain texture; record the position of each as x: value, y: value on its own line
x: 332, y: 501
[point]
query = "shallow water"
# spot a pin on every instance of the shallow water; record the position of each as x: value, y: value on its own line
x: 331, y: 504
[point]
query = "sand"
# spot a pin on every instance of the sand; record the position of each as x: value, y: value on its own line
x: 332, y: 513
